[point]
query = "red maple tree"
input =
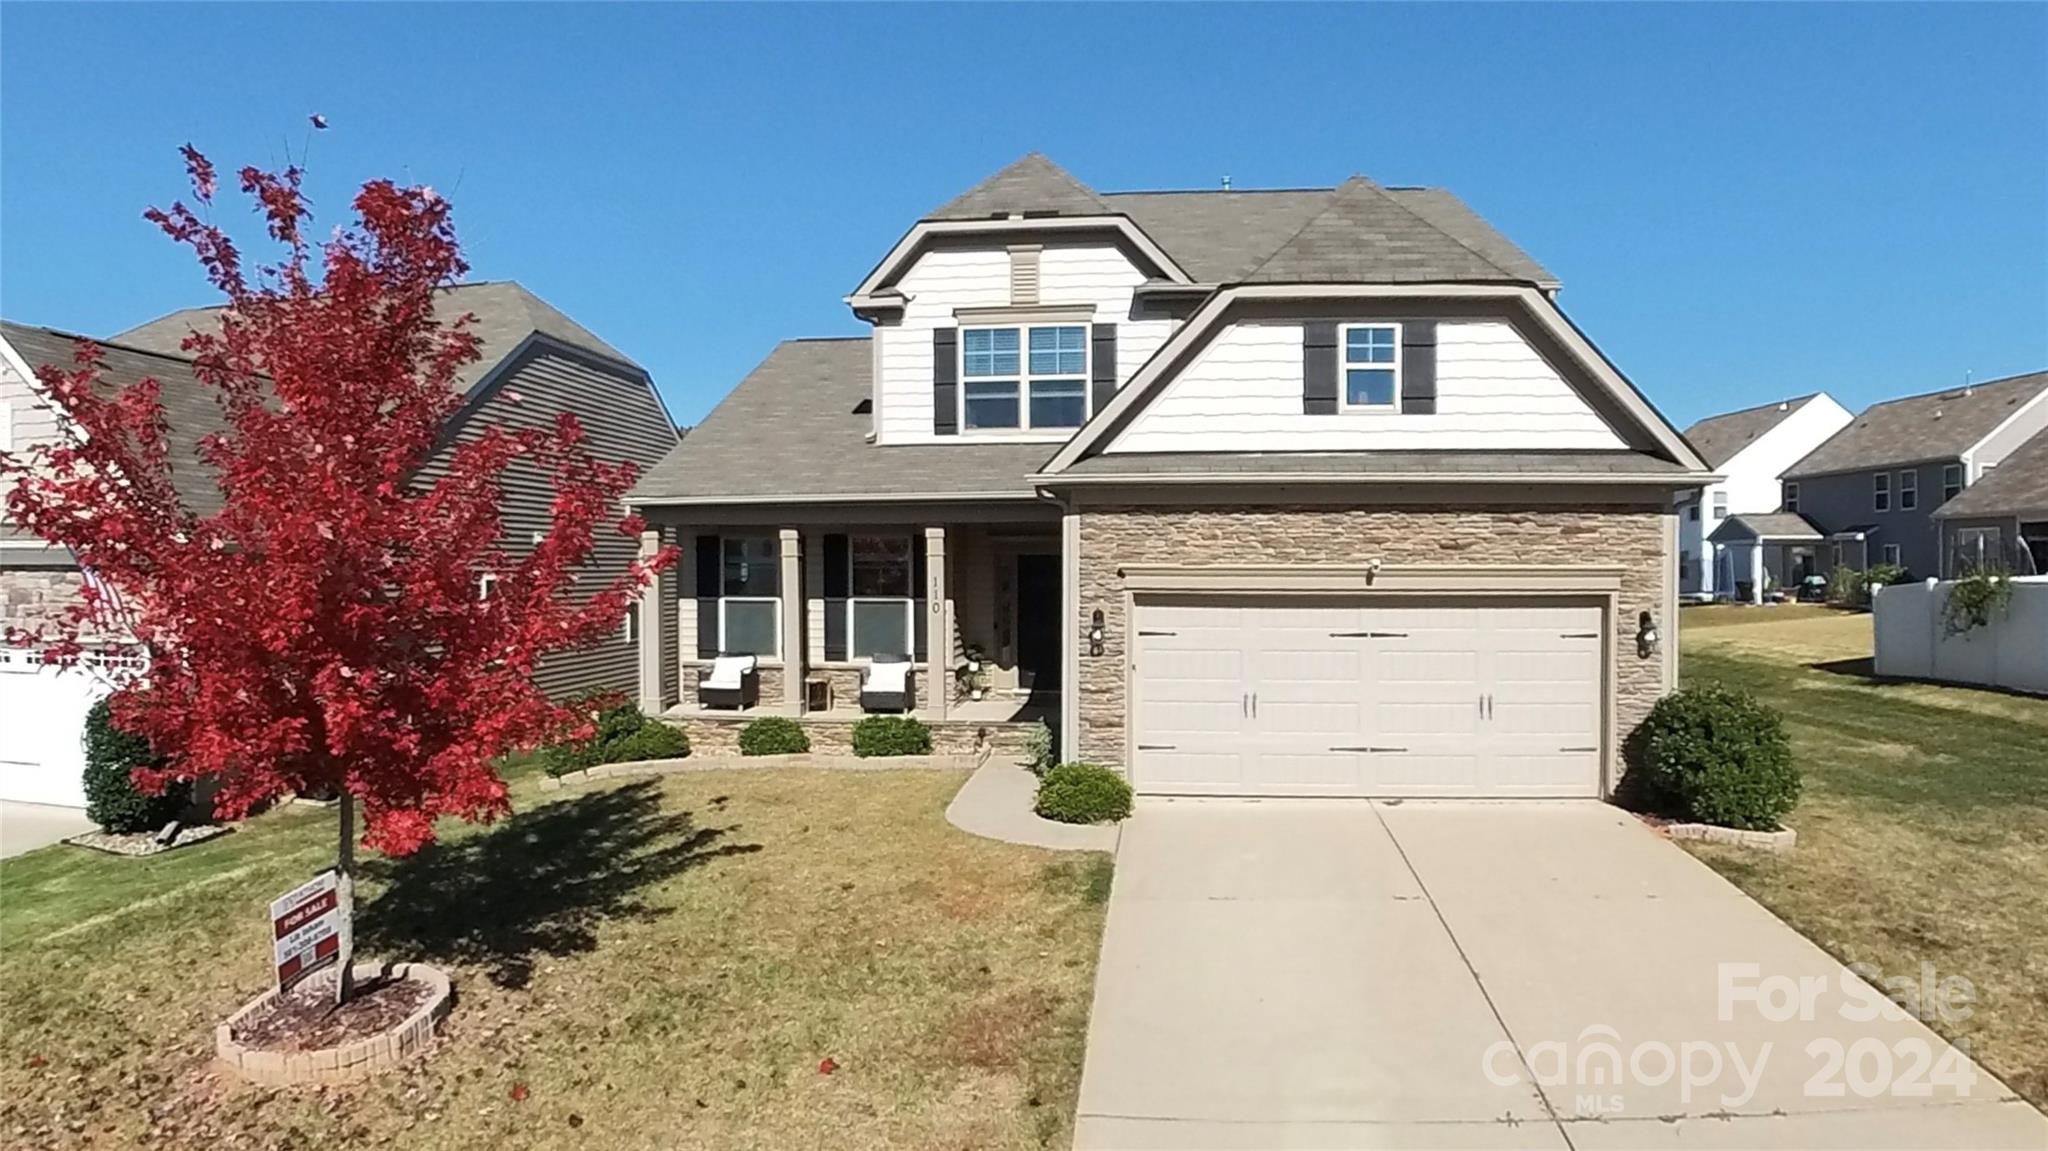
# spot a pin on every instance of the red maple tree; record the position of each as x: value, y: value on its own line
x: 323, y: 632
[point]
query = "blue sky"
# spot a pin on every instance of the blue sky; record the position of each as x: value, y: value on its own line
x: 1743, y: 202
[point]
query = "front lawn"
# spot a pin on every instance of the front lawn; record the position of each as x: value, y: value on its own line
x: 1923, y: 832
x: 656, y: 964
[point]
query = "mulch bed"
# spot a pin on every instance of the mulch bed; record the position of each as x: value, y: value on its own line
x: 141, y: 843
x: 305, y: 1018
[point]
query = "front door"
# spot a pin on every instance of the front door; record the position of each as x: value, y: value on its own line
x: 1038, y: 621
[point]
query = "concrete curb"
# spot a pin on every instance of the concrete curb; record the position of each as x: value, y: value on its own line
x: 1777, y: 842
x: 351, y: 1061
x: 997, y: 802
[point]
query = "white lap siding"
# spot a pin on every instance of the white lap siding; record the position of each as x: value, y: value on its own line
x: 1244, y: 393
x: 944, y: 280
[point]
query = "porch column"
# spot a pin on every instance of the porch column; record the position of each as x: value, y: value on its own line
x: 653, y: 700
x: 686, y: 610
x: 793, y: 664
x: 938, y: 642
x: 1756, y: 572
x: 1070, y: 637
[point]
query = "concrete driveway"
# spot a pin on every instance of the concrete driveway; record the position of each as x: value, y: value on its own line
x: 1352, y: 974
x: 27, y: 826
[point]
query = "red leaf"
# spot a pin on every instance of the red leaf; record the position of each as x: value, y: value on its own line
x: 519, y: 1093
x: 826, y: 1066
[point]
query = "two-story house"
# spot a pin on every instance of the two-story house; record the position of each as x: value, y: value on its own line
x: 1306, y: 492
x: 1750, y: 449
x: 536, y: 363
x: 1867, y: 495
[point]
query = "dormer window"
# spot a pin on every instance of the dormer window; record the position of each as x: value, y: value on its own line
x: 1372, y: 366
x: 1021, y: 378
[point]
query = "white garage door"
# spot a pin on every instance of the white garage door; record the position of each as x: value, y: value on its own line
x: 1367, y: 699
x: 42, y: 717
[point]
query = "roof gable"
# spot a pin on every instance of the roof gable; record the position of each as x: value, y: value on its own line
x: 1721, y: 438
x: 1935, y: 426
x: 2018, y: 485
x: 1032, y: 185
x: 1365, y: 236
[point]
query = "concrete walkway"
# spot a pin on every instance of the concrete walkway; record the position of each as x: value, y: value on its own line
x: 1347, y: 974
x: 27, y: 826
x: 997, y: 802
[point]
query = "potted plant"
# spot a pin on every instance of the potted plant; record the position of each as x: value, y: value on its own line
x: 972, y: 673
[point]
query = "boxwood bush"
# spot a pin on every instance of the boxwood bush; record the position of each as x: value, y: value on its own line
x: 654, y: 740
x: 891, y: 735
x: 111, y: 798
x: 1715, y: 754
x: 774, y: 735
x: 1083, y: 793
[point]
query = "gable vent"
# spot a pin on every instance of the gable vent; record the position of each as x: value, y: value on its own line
x: 1023, y: 274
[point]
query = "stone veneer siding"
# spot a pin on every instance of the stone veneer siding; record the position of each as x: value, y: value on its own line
x: 1630, y: 537
x: 36, y: 597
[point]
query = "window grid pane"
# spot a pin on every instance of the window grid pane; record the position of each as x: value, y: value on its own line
x: 879, y: 627
x: 749, y: 627
x: 880, y: 565
x: 1369, y: 346
x: 989, y: 352
x: 753, y: 566
x: 1058, y: 403
x: 1369, y: 387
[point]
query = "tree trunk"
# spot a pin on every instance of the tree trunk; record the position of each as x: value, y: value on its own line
x: 345, y: 899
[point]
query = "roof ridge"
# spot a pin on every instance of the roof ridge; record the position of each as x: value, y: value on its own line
x: 1359, y: 185
x: 825, y: 339
x: 98, y: 342
x: 1215, y: 191
x: 1432, y: 226
x: 1283, y: 245
x: 1756, y: 407
x: 1968, y: 385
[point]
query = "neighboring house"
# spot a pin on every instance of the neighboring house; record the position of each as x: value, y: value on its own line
x: 1750, y: 449
x: 2002, y: 519
x: 1868, y: 494
x: 536, y: 363
x: 1307, y: 492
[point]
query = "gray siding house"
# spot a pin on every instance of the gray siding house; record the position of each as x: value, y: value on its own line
x: 2002, y: 520
x: 536, y: 364
x: 1870, y: 491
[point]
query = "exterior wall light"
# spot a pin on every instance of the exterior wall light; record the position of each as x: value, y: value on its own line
x: 1095, y: 633
x: 1647, y: 638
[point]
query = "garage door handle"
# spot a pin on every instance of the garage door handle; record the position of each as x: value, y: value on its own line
x: 1143, y: 632
x: 1156, y: 746
x: 1578, y: 635
x: 1578, y: 749
x: 1369, y: 749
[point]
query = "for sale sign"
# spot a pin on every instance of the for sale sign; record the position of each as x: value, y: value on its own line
x: 305, y: 927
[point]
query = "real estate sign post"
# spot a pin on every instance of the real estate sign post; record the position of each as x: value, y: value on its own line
x: 306, y: 927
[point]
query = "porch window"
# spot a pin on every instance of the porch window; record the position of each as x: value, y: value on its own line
x: 1976, y: 549
x: 1024, y: 378
x: 1881, y: 492
x: 1372, y: 366
x: 750, y: 599
x: 1891, y: 555
x: 1791, y: 497
x: 878, y: 610
x: 1951, y: 482
x: 1909, y: 490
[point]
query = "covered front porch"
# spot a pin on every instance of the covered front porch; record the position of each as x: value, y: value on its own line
x: 970, y: 597
x: 1759, y: 552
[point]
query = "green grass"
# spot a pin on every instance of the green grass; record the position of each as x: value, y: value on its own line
x: 659, y: 964
x: 1923, y: 831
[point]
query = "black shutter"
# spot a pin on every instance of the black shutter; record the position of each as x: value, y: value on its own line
x: 1103, y: 379
x: 838, y: 578
x: 1319, y: 367
x: 920, y: 627
x: 945, y: 381
x: 710, y: 582
x: 1418, y: 367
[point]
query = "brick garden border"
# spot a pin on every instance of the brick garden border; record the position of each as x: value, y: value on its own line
x: 351, y: 1061
x: 1777, y: 842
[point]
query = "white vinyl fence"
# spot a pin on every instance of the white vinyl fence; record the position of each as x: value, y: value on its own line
x: 2011, y: 651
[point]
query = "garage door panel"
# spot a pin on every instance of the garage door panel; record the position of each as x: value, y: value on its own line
x: 1393, y: 699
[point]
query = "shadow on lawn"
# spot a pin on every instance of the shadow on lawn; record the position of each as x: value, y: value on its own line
x: 1864, y: 668
x: 537, y: 884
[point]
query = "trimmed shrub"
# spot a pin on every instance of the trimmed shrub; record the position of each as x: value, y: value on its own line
x: 1714, y: 754
x: 576, y: 755
x: 774, y: 735
x: 654, y: 740
x: 111, y: 798
x: 1083, y: 793
x: 1038, y: 748
x: 879, y: 735
x: 618, y: 721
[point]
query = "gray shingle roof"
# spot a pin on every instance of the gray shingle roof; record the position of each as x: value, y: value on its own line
x: 1935, y: 426
x: 189, y: 406
x: 1765, y: 525
x: 790, y: 429
x: 1357, y: 231
x: 1033, y: 185
x: 1719, y: 438
x: 506, y: 313
x: 1622, y: 464
x: 2017, y: 486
